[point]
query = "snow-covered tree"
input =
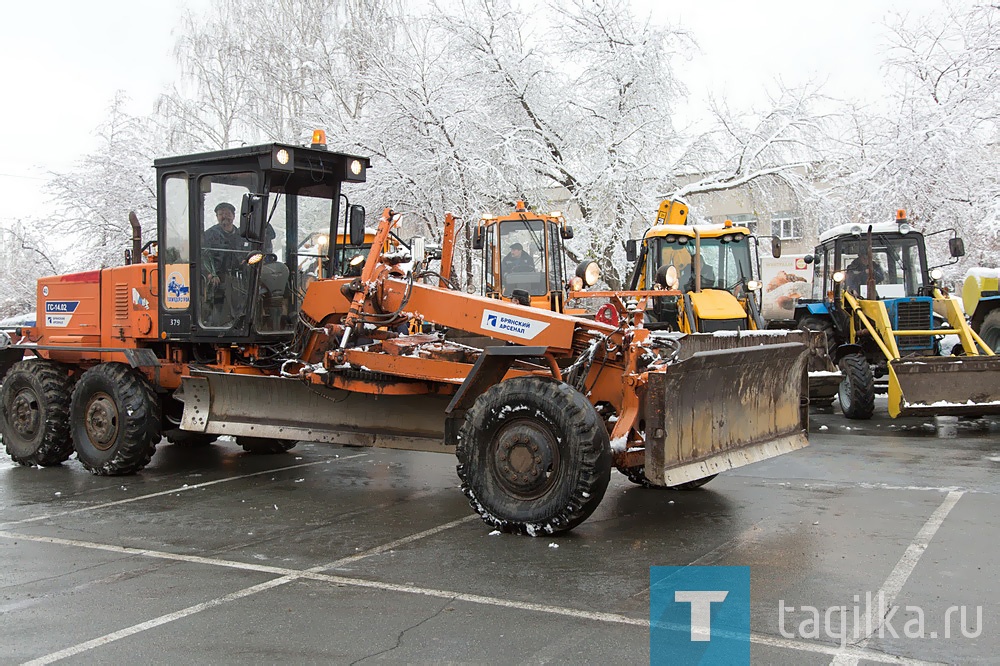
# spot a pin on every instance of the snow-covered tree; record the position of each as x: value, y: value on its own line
x: 934, y: 151
x: 96, y: 196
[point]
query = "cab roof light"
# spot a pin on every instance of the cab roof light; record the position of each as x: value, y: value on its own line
x: 319, y: 139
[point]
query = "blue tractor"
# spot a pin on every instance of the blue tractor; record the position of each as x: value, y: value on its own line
x: 884, y: 313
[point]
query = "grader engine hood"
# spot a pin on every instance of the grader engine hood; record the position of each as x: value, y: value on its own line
x: 729, y: 402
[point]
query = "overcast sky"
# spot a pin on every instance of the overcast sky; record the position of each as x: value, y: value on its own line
x: 65, y: 59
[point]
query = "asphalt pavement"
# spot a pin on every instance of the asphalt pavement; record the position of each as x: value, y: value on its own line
x: 341, y: 555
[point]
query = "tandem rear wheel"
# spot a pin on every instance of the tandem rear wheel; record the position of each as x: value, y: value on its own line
x: 34, y: 413
x: 533, y: 456
x: 115, y: 417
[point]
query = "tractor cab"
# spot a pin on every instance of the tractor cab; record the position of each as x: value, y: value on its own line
x: 884, y: 262
x: 713, y: 266
x: 523, y: 258
x: 242, y: 232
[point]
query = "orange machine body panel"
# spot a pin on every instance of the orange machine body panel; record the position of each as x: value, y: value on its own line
x: 115, y: 308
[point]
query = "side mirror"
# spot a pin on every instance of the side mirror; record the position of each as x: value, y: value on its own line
x: 252, y: 217
x: 631, y: 250
x: 566, y: 232
x: 809, y: 259
x: 356, y: 225
x: 477, y: 239
x: 956, y: 246
x: 775, y: 247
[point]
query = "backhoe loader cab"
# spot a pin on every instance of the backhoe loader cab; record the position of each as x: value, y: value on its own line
x: 242, y: 232
x: 713, y: 266
x: 875, y: 298
x: 523, y: 258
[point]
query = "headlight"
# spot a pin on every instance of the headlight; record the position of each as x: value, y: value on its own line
x: 255, y: 258
x: 838, y: 276
x: 282, y: 156
x: 904, y: 228
x: 936, y: 274
x: 672, y: 280
x: 322, y: 240
x: 753, y: 285
x: 576, y: 284
x: 589, y: 272
x: 357, y: 260
x: 356, y: 167
x: 856, y: 230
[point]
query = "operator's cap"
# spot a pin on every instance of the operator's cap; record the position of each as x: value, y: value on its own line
x: 516, y: 246
x: 226, y: 205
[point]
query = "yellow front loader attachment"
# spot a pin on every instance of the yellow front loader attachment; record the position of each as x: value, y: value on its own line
x: 934, y: 385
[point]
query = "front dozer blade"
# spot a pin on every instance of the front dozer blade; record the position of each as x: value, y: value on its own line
x: 945, y: 385
x: 724, y: 408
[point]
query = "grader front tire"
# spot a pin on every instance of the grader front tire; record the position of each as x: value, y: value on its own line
x: 34, y: 421
x: 115, y: 417
x: 262, y: 446
x: 533, y: 456
x: 637, y: 475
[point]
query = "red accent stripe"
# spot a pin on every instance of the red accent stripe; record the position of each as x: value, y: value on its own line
x: 88, y: 276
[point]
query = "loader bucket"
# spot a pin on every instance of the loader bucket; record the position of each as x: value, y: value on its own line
x: 724, y: 408
x: 945, y: 385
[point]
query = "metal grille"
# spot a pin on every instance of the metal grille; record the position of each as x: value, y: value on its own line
x: 913, y: 316
x: 122, y: 294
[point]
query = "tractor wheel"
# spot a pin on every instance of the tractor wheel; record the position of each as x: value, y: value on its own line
x: 265, y: 446
x: 990, y: 331
x: 189, y: 439
x: 533, y: 456
x: 115, y: 417
x: 637, y: 475
x: 34, y: 419
x: 857, y: 390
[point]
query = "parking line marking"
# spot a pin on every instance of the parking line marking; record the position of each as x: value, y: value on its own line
x: 901, y: 572
x: 288, y: 575
x: 155, y: 622
x: 186, y: 488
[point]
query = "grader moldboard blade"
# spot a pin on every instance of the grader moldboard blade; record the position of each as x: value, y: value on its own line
x: 727, y: 403
x: 230, y: 404
x: 945, y: 385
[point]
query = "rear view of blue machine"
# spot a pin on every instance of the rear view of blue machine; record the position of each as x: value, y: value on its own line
x: 884, y: 314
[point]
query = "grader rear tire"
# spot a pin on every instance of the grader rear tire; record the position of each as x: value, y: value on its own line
x: 533, y: 456
x: 857, y: 390
x: 34, y: 413
x: 115, y: 418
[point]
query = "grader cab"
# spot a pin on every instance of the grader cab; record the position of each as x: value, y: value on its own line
x: 235, y: 337
x: 875, y: 300
x: 524, y: 260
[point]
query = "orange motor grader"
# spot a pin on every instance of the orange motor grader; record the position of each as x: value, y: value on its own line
x: 216, y: 337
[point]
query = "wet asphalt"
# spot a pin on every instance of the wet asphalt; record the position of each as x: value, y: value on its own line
x: 330, y: 554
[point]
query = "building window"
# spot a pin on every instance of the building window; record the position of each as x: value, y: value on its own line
x: 786, y: 226
x: 748, y: 220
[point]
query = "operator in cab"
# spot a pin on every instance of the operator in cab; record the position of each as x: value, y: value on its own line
x: 517, y: 261
x: 223, y: 250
